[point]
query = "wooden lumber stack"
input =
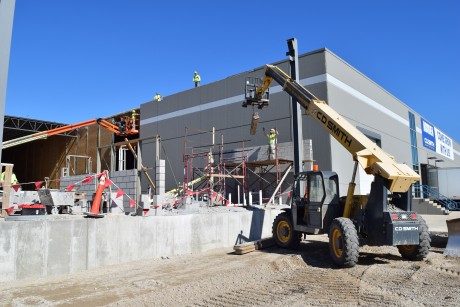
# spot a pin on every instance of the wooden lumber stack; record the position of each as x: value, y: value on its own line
x: 245, y: 248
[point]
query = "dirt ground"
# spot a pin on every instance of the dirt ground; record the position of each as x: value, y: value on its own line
x: 271, y: 277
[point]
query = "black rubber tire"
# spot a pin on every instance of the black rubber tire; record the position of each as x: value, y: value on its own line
x: 283, y: 232
x: 417, y: 252
x: 343, y: 242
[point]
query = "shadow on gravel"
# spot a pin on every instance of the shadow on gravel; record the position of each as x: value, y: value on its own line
x: 316, y: 254
x: 313, y: 253
x: 438, y: 240
x: 438, y: 243
x: 374, y: 258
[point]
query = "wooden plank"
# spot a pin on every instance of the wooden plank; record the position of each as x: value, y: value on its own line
x: 241, y: 249
x: 245, y: 251
x: 226, y: 176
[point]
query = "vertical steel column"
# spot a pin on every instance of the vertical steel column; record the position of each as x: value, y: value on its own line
x: 99, y: 153
x: 6, y: 29
x: 296, y: 120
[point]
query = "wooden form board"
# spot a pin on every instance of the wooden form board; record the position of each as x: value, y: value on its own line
x: 245, y: 248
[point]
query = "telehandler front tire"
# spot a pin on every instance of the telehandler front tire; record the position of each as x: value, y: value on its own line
x: 343, y: 242
x: 283, y: 232
x: 420, y: 251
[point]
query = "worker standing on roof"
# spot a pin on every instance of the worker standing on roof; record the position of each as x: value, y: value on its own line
x: 157, y: 97
x: 272, y: 141
x: 196, y: 79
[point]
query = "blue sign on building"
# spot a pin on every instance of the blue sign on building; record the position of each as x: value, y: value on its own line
x: 428, y: 135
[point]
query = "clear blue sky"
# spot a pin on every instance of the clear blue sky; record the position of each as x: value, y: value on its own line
x: 77, y: 60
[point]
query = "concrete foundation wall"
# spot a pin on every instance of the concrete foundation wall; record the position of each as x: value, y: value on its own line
x: 31, y: 249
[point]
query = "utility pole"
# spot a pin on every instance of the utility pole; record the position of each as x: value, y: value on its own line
x: 296, y: 119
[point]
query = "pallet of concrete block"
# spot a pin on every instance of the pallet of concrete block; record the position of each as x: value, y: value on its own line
x: 248, y: 247
x: 57, y: 202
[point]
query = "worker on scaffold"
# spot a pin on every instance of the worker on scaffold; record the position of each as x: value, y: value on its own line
x: 133, y: 120
x: 272, y: 141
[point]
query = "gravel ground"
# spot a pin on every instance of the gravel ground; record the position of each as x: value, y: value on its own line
x: 271, y: 277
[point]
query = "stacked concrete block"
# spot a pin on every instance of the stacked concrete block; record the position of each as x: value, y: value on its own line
x: 308, y: 155
x: 125, y: 180
x: 87, y: 188
x: 160, y: 176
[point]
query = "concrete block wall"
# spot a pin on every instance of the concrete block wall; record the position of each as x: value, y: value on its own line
x: 125, y: 180
x: 31, y: 249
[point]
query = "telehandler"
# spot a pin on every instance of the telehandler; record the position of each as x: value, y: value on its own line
x: 384, y: 217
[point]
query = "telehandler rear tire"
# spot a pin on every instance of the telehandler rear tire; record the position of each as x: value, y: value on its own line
x: 343, y: 242
x: 283, y: 232
x: 420, y: 251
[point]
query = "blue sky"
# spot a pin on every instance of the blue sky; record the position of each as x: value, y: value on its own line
x: 76, y: 60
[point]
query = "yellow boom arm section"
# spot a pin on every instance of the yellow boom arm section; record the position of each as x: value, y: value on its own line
x: 372, y: 158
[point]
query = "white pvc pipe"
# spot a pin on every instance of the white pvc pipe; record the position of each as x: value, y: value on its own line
x: 239, y: 203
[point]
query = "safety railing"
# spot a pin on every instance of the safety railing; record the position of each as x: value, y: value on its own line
x: 433, y: 194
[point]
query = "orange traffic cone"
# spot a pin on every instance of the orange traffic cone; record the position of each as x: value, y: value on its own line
x: 98, y: 198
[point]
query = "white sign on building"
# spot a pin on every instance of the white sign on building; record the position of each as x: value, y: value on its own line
x: 436, y: 140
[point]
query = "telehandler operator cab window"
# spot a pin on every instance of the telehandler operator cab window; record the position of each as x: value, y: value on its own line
x: 322, y: 188
x: 316, y: 188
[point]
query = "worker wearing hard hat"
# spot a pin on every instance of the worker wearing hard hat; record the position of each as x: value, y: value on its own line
x: 133, y: 119
x: 272, y: 141
x: 157, y: 97
x: 196, y: 79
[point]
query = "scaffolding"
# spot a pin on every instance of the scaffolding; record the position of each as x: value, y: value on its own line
x: 204, y: 171
x: 210, y: 171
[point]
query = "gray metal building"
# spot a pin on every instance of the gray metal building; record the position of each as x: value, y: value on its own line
x: 394, y: 126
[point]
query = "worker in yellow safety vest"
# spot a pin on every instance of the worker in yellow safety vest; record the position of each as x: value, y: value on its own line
x: 157, y: 97
x: 196, y: 79
x: 133, y: 119
x: 14, y: 180
x: 272, y: 140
